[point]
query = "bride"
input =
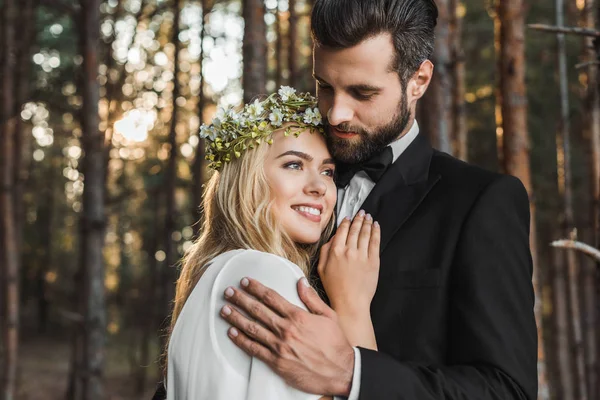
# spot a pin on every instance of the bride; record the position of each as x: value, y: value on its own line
x: 268, y: 208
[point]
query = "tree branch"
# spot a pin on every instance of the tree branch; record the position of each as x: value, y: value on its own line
x: 566, y: 30
x: 61, y: 5
x: 579, y: 246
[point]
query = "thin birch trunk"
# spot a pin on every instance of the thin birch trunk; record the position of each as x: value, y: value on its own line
x: 512, y: 129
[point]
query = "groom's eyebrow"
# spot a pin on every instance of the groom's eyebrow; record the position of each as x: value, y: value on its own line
x: 361, y: 87
x: 300, y: 154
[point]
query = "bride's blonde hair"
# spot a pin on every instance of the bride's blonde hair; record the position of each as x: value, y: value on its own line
x: 237, y: 214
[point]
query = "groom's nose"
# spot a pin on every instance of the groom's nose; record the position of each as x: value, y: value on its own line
x: 340, y: 112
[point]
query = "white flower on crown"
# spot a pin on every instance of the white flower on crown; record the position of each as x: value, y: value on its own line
x: 286, y: 92
x: 317, y: 117
x: 308, y: 116
x: 255, y: 110
x: 276, y: 117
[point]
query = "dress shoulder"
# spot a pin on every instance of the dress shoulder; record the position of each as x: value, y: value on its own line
x: 272, y: 271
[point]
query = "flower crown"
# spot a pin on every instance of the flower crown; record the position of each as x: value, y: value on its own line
x: 231, y: 132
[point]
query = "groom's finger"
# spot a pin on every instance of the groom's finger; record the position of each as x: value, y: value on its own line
x: 254, y: 308
x: 268, y: 298
x: 251, y: 347
x: 251, y: 328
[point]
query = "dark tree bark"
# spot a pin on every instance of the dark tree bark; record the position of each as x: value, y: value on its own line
x: 459, y: 118
x: 512, y: 98
x: 9, y: 256
x: 254, y: 49
x: 437, y: 102
x: 278, y: 48
x: 293, y: 45
x: 22, y: 94
x: 9, y: 249
x: 565, y: 186
x: 93, y: 219
x: 168, y: 276
x: 198, y: 165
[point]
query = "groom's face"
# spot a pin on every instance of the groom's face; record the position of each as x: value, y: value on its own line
x: 361, y: 97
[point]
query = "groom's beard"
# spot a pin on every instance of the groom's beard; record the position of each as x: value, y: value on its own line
x: 368, y: 143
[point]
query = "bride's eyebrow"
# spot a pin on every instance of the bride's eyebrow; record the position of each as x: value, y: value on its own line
x: 300, y: 154
x: 328, y: 161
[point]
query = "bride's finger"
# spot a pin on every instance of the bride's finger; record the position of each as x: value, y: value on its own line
x: 364, y: 235
x: 352, y: 239
x: 375, y: 240
x: 339, y: 239
x: 323, y: 256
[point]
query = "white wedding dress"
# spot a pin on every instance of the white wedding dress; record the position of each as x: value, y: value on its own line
x: 203, y: 363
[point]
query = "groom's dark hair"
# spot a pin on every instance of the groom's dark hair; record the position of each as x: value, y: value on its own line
x: 341, y: 24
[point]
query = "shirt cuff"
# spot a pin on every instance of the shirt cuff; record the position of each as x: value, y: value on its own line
x: 355, y: 388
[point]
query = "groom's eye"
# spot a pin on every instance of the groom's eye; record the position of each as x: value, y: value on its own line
x: 323, y: 86
x: 362, y: 96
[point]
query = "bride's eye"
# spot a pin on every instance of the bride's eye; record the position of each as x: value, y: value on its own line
x: 293, y: 165
x: 328, y: 172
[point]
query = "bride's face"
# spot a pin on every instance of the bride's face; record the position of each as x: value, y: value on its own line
x: 300, y: 174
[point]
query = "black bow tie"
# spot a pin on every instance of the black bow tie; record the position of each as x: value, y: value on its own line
x: 375, y: 167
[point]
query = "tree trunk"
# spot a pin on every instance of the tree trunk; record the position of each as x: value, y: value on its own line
x: 512, y: 97
x: 254, y: 49
x: 198, y: 165
x: 293, y: 46
x: 565, y: 186
x: 168, y: 276
x: 24, y: 56
x: 437, y: 101
x: 592, y: 129
x: 9, y: 258
x: 459, y: 119
x: 93, y: 218
x: 278, y: 48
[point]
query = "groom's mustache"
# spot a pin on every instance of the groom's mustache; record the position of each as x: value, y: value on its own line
x: 345, y: 127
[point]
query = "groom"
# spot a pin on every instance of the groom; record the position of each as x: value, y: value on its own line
x: 453, y: 312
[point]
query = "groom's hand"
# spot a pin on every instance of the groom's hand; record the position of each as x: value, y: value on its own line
x: 307, y: 349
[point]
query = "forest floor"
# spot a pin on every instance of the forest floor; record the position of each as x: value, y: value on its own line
x: 44, y: 370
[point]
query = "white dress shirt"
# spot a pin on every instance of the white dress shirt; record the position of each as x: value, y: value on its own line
x: 350, y: 200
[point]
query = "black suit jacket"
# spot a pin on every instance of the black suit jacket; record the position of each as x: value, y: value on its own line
x: 453, y: 312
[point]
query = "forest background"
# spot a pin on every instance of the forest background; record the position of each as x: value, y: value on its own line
x: 101, y: 165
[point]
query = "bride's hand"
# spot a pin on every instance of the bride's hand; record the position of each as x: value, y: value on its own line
x: 349, y: 266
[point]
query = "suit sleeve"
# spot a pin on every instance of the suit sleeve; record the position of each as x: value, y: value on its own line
x: 492, y: 337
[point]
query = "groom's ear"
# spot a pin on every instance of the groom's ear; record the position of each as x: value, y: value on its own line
x: 418, y: 84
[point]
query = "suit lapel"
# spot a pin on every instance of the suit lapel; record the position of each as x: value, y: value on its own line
x: 401, y: 189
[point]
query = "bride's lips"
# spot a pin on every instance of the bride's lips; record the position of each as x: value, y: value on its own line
x: 343, y: 135
x: 307, y: 215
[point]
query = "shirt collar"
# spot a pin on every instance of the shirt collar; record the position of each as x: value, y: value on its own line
x: 399, y: 145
